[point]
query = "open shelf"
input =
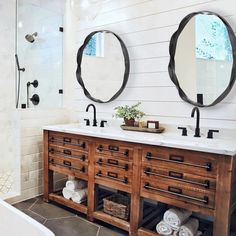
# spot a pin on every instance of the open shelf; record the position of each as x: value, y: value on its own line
x: 150, y: 220
x: 57, y: 197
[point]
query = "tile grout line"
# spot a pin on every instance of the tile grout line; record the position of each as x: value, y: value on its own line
x: 36, y: 200
x: 37, y: 214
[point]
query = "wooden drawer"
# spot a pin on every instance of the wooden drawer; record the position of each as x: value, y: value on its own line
x: 194, y: 181
x: 68, y: 141
x: 114, y: 150
x: 175, y: 190
x: 182, y: 160
x: 113, y: 174
x: 54, y: 150
x: 109, y: 162
x: 69, y: 165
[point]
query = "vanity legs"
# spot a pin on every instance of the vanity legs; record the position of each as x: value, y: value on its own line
x: 223, y: 197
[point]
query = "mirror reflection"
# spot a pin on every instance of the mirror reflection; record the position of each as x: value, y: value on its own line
x: 204, y: 58
x: 103, y: 67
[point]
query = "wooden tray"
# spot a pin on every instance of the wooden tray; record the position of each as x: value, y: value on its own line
x: 144, y: 129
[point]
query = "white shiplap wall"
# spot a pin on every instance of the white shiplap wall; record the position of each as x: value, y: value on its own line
x: 146, y: 27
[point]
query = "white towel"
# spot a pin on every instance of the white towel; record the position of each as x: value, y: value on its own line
x: 175, y: 233
x: 75, y: 184
x: 67, y: 193
x: 79, y: 195
x: 199, y: 233
x: 189, y: 228
x: 175, y: 217
x: 163, y: 228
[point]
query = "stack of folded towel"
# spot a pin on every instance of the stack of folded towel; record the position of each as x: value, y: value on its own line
x: 75, y: 190
x: 177, y: 222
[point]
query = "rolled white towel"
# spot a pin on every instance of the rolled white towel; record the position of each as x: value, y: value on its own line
x: 199, y: 233
x: 67, y: 193
x: 79, y: 195
x: 175, y: 217
x: 163, y: 228
x: 75, y: 184
x: 189, y: 228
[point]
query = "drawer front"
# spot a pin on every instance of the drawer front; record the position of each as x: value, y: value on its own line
x: 113, y: 150
x: 68, y: 164
x: 65, y: 152
x: 183, y: 160
x: 192, y: 180
x: 109, y: 162
x: 112, y: 174
x: 68, y: 141
x: 171, y: 189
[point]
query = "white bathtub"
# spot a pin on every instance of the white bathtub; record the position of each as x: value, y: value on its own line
x: 15, y: 223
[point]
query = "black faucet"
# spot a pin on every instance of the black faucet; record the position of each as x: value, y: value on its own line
x: 197, y: 129
x: 94, y: 113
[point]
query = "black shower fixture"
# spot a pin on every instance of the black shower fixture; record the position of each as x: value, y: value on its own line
x: 35, y: 99
x: 31, y: 37
x: 35, y: 83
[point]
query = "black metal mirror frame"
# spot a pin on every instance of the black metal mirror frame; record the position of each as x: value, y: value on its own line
x: 126, y: 62
x: 172, y: 51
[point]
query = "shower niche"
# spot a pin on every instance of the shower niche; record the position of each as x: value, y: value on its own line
x: 39, y: 55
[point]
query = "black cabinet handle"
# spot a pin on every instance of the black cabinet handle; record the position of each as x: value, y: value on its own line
x: 176, y: 174
x: 82, y: 144
x: 67, y: 163
x: 67, y: 140
x: 178, y: 160
x: 111, y: 162
x: 177, y: 192
x: 67, y: 152
x: 111, y: 148
x: 112, y: 176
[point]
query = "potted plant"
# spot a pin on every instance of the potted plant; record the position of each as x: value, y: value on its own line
x: 129, y: 113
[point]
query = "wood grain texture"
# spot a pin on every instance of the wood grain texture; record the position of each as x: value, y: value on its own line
x: 190, y: 165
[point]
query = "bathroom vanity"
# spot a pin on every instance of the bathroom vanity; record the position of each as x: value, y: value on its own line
x: 198, y: 177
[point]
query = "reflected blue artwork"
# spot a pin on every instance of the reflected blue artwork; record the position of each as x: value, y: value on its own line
x: 212, y: 39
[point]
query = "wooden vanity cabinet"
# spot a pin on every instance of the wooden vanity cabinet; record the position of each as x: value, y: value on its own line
x: 201, y: 182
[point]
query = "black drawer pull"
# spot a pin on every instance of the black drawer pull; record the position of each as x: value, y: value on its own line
x: 51, y: 139
x: 100, y: 148
x: 125, y: 180
x: 176, y: 175
x: 113, y: 148
x: 82, y: 169
x: 174, y: 192
x: 67, y: 152
x: 67, y: 163
x: 82, y: 144
x: 67, y: 140
x: 179, y: 160
x: 111, y: 162
x: 112, y: 174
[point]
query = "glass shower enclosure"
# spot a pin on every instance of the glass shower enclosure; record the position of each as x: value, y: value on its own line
x: 39, y: 53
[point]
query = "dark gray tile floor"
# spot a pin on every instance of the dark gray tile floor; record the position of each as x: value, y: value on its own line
x: 65, y: 222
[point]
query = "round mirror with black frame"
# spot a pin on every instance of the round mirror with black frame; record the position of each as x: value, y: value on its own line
x: 103, y: 66
x: 202, y: 58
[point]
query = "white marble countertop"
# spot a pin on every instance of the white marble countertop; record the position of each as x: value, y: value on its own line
x: 223, y: 142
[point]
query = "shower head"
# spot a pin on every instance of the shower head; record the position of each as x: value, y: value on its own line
x: 31, y: 37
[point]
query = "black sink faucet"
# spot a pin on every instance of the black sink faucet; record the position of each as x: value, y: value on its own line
x: 197, y: 129
x: 94, y: 114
